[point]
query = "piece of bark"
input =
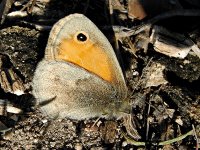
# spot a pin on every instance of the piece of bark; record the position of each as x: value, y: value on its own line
x: 171, y: 43
x: 17, y: 15
x: 9, y: 80
x: 7, y: 107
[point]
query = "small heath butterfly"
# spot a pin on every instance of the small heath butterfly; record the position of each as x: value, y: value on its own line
x: 79, y: 77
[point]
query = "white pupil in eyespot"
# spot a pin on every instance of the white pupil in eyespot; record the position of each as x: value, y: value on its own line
x: 81, y: 37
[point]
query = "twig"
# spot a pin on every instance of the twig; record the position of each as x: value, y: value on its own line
x: 136, y: 143
x: 95, y: 122
x: 147, y: 128
x: 195, y: 135
x: 131, y: 141
x: 29, y: 6
x: 36, y: 26
x: 30, y: 9
x: 126, y: 32
x: 163, y: 16
x: 111, y: 12
x: 176, y: 139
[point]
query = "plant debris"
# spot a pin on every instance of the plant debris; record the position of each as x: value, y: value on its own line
x: 158, y: 50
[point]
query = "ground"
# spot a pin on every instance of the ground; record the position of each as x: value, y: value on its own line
x: 164, y: 90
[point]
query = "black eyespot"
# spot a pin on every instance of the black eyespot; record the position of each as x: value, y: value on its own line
x: 81, y: 37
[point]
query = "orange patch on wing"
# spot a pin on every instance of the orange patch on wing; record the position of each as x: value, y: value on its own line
x: 86, y: 55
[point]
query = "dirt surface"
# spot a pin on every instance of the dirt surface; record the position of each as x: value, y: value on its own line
x: 164, y: 90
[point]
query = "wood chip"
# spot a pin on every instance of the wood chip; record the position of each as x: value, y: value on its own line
x: 170, y: 43
x: 9, y: 80
x: 6, y: 107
